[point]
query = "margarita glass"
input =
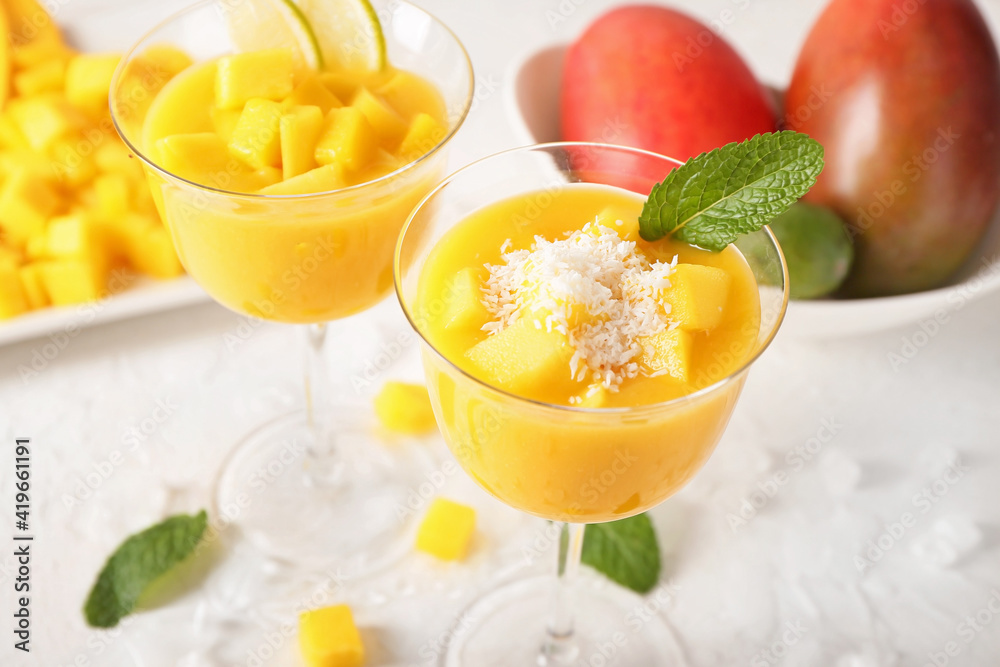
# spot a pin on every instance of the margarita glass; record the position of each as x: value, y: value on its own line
x: 543, y: 457
x: 303, y: 259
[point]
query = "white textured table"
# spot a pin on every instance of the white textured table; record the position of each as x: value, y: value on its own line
x: 789, y: 548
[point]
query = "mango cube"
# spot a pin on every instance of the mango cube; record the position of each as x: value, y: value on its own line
x: 114, y: 157
x: 13, y: 300
x: 623, y: 221
x: 26, y: 203
x: 257, y: 138
x: 203, y: 157
x: 668, y: 353
x: 42, y: 120
x: 446, y: 529
x: 342, y: 85
x: 329, y: 638
x: 697, y: 295
x: 388, y: 124
x: 72, y: 167
x: 263, y: 74
x: 523, y: 356
x: 321, y: 179
x: 423, y: 134
x: 409, y: 95
x: 45, y: 77
x: 34, y: 289
x: 463, y: 304
x: 165, y: 61
x: 224, y: 121
x: 112, y: 194
x: 72, y: 281
x: 405, y: 408
x: 10, y: 133
x: 75, y: 236
x: 348, y: 138
x: 312, y: 93
x: 300, y: 128
x: 88, y: 79
x: 152, y: 252
x: 45, y: 46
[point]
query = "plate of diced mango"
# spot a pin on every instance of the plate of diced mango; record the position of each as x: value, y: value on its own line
x: 80, y: 239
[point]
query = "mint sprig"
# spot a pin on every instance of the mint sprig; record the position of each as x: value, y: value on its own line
x: 139, y: 561
x: 625, y: 551
x: 713, y: 199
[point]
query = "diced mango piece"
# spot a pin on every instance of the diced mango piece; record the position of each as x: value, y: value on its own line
x: 42, y: 120
x: 72, y: 281
x: 341, y: 84
x: 312, y: 93
x: 88, y: 79
x: 300, y: 128
x: 322, y: 179
x: 75, y: 237
x: 10, y: 133
x: 13, y: 300
x: 623, y: 221
x: 697, y: 295
x: 153, y: 253
x: 523, y: 356
x: 405, y: 408
x: 224, y: 121
x: 34, y: 289
x: 329, y: 638
x: 45, y: 77
x: 667, y: 353
x: 72, y: 167
x: 256, y: 138
x: 28, y: 53
x: 348, y: 138
x: 115, y: 157
x: 463, y: 304
x: 165, y: 61
x: 423, y: 134
x: 263, y: 74
x: 388, y: 124
x: 112, y: 191
x: 446, y: 529
x: 26, y: 203
x: 409, y: 95
x: 203, y: 158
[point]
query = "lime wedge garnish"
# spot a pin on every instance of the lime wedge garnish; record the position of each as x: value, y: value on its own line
x: 323, y: 34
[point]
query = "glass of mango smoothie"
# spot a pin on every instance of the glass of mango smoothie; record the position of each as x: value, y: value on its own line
x: 284, y: 159
x: 577, y: 372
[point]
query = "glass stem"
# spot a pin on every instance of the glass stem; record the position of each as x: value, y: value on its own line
x: 320, y: 450
x: 560, y: 646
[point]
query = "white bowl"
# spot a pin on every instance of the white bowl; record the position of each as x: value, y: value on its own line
x: 532, y: 98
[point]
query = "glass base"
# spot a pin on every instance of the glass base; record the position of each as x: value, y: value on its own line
x: 346, y: 509
x: 612, y: 626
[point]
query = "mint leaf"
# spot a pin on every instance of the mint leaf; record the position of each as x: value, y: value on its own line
x: 713, y: 199
x: 625, y: 551
x: 140, y: 560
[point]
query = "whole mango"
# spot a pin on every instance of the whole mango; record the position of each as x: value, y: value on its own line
x: 654, y: 78
x: 905, y: 96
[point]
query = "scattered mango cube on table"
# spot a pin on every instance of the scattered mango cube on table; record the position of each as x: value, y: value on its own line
x: 405, y: 408
x: 329, y: 638
x: 446, y: 529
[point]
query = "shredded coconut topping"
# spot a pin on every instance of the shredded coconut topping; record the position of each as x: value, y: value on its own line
x: 592, y: 287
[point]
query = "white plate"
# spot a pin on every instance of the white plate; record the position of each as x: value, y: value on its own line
x: 96, y: 28
x: 532, y: 99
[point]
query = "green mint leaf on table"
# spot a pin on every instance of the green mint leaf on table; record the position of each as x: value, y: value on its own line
x: 713, y: 199
x: 625, y: 551
x: 139, y: 561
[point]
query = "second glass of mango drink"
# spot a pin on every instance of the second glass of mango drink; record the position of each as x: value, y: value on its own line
x: 577, y: 372
x: 284, y: 161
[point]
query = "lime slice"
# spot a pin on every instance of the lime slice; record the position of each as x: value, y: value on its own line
x: 255, y: 25
x: 348, y: 32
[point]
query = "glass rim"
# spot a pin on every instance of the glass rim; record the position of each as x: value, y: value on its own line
x: 256, y: 196
x: 574, y: 409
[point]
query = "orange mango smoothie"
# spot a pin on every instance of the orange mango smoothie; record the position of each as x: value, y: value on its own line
x: 580, y: 373
x: 284, y: 189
